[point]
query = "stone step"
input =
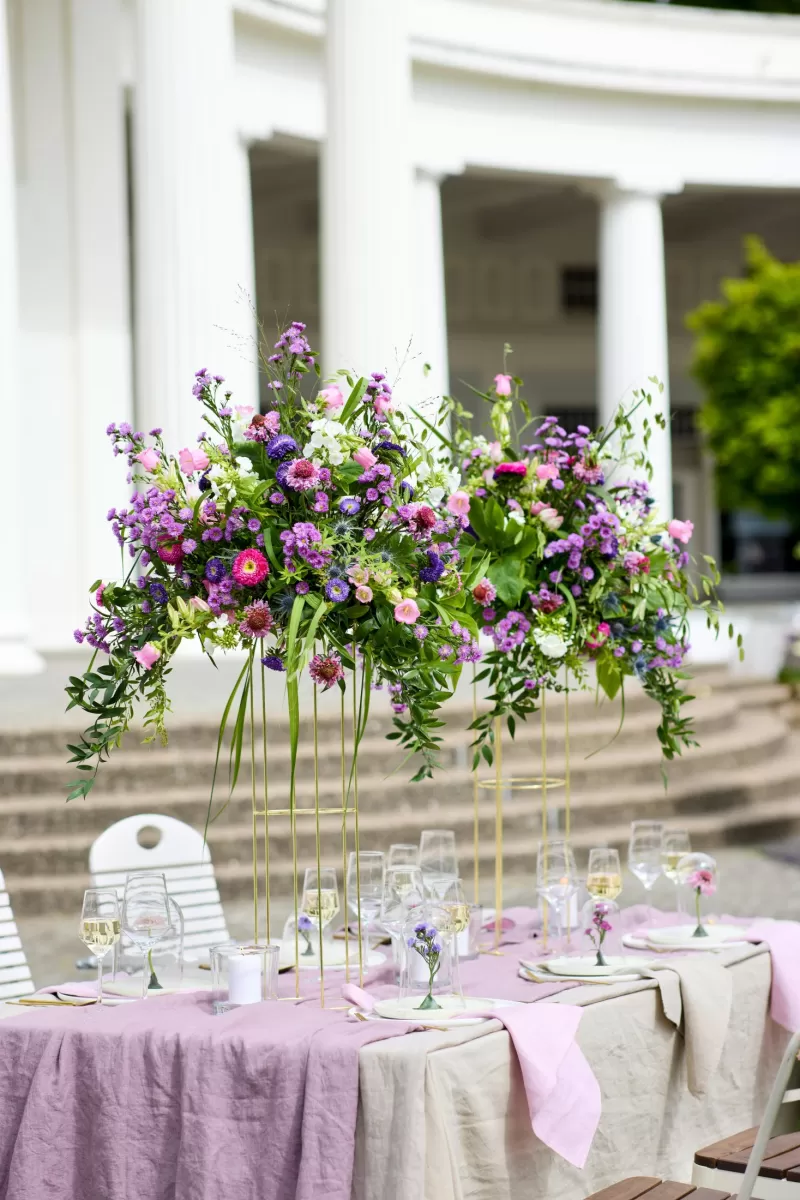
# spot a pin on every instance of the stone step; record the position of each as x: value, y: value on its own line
x: 751, y: 805
x: 600, y: 747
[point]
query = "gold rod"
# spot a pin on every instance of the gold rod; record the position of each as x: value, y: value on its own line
x: 498, y: 831
x: 356, y: 714
x: 567, y: 782
x: 344, y: 839
x: 475, y: 794
x: 266, y: 800
x: 319, y: 863
x: 253, y: 797
x: 293, y: 824
x: 545, y: 905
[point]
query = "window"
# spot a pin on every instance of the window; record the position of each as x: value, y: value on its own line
x: 579, y: 289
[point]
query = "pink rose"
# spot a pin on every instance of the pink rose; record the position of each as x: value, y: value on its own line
x: 148, y: 655
x: 502, y: 385
x: 148, y: 458
x: 363, y: 594
x: 458, y: 504
x: 364, y: 457
x: 681, y: 531
x: 547, y: 471
x: 406, y: 612
x: 332, y: 397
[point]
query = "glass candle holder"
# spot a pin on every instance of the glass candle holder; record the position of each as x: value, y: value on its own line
x: 428, y: 979
x: 599, y: 917
x: 468, y: 941
x: 698, y: 872
x: 243, y: 975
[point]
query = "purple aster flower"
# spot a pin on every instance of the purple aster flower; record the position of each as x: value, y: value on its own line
x: 215, y: 570
x: 281, y: 445
x: 349, y: 505
x: 337, y: 590
x: 302, y: 588
x: 277, y: 498
x: 369, y: 534
x: 420, y: 632
x: 159, y: 593
x: 188, y: 546
x: 372, y: 494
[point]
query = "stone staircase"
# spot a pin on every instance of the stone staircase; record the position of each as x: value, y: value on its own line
x: 741, y: 785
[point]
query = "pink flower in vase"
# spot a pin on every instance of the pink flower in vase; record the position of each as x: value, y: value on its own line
x: 702, y: 881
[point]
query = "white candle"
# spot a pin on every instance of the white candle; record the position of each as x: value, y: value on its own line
x: 462, y: 943
x: 244, y: 978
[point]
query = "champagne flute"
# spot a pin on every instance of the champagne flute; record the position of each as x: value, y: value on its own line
x: 403, y: 891
x: 644, y: 852
x: 437, y: 858
x: 365, y: 892
x: 604, y: 876
x: 402, y: 853
x: 100, y: 927
x: 146, y: 918
x: 320, y: 901
x: 557, y: 877
x: 674, y: 844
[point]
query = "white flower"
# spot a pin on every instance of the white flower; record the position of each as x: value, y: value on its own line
x: 552, y: 645
x: 516, y: 515
x: 244, y: 465
x: 436, y: 496
x: 423, y: 471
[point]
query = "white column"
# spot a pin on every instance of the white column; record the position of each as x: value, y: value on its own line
x: 367, y: 251
x: 102, y: 317
x: 16, y: 655
x: 188, y: 188
x: 632, y: 321
x: 430, y: 303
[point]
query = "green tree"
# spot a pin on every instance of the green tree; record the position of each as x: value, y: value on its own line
x: 747, y: 360
x: 759, y: 6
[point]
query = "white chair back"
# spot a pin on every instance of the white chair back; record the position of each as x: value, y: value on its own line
x: 180, y: 853
x: 15, y: 975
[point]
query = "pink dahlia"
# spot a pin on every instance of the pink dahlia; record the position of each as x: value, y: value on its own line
x: 257, y: 620
x: 249, y: 568
x: 326, y: 670
x: 511, y: 468
x: 301, y: 474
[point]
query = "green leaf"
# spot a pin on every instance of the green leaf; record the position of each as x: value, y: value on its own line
x: 507, y: 576
x: 353, y: 401
x: 608, y: 676
x: 292, y: 658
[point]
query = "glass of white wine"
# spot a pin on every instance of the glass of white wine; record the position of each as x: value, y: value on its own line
x: 604, y: 876
x: 674, y: 844
x: 451, y: 916
x: 100, y: 927
x: 644, y: 852
x: 320, y: 901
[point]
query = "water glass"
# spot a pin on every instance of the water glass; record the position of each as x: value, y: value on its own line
x: 403, y: 891
x: 437, y: 859
x: 365, y: 891
x: 557, y: 877
x: 100, y: 927
x: 403, y: 853
x: 147, y: 919
x: 674, y: 844
x: 644, y: 852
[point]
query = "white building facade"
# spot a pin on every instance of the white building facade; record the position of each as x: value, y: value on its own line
x: 420, y: 180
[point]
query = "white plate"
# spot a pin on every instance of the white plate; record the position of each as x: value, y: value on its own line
x: 534, y: 975
x: 585, y: 966
x: 680, y: 935
x: 634, y: 942
x: 333, y: 956
x: 450, y: 1012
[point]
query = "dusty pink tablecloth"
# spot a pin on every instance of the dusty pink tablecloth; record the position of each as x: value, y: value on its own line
x: 161, y: 1100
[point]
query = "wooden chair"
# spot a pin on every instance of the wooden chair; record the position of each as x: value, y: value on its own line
x: 150, y: 842
x: 768, y: 1167
x: 15, y: 975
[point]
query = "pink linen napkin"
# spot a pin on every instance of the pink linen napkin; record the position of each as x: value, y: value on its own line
x: 562, y: 1092
x: 783, y: 939
x: 86, y: 989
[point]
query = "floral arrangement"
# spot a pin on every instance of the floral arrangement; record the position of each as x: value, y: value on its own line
x: 321, y: 534
x: 582, y: 569
x: 305, y: 927
x: 425, y: 942
x: 702, y: 881
x: 599, y: 926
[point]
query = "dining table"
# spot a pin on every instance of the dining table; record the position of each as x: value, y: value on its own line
x: 162, y: 1099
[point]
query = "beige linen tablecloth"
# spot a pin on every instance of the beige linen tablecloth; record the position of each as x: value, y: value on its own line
x: 443, y: 1116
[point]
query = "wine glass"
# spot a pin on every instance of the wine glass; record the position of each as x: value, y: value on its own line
x: 146, y: 918
x: 644, y: 852
x: 100, y: 927
x: 365, y: 891
x: 437, y: 858
x: 401, y: 853
x: 451, y: 917
x: 557, y: 877
x: 674, y: 844
x: 604, y: 876
x: 320, y: 901
x: 403, y: 891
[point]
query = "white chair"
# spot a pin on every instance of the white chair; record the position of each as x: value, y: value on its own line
x: 15, y: 975
x: 179, y: 852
